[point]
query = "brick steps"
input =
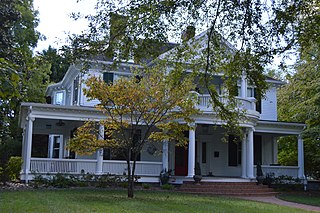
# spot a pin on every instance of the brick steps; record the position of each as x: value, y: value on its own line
x: 226, y: 188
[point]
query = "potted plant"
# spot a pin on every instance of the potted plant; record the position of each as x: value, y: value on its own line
x: 197, y: 176
x: 259, y: 175
x: 164, y: 176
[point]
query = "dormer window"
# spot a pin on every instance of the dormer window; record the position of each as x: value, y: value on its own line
x: 59, y: 98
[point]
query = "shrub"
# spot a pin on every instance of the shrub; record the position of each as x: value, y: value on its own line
x: 14, y: 167
x: 146, y: 186
x: 167, y: 187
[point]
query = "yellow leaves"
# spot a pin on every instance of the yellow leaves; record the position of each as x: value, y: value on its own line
x: 156, y: 101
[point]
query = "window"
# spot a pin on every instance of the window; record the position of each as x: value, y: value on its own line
x: 234, y: 151
x: 55, y: 146
x: 257, y: 147
x: 75, y: 90
x: 204, y: 152
x: 58, y: 100
x: 108, y: 77
x: 250, y: 92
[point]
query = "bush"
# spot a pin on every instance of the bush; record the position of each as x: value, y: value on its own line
x: 13, y: 168
x: 167, y: 187
x: 146, y: 186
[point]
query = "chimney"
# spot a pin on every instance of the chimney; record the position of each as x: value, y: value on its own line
x: 188, y: 33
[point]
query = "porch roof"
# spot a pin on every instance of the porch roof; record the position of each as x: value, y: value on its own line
x: 50, y: 111
x: 279, y: 127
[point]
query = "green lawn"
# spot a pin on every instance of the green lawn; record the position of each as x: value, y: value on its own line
x: 310, y: 198
x: 100, y: 200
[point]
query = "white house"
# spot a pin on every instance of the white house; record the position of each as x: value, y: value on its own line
x: 48, y: 127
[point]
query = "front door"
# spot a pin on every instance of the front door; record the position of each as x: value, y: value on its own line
x: 181, y: 161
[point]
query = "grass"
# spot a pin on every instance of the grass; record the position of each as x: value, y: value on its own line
x: 309, y: 198
x: 101, y: 200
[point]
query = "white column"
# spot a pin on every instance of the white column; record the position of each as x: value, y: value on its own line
x: 275, y: 150
x: 99, y: 169
x: 165, y: 155
x: 243, y: 86
x: 28, y: 145
x: 23, y: 151
x: 244, y: 156
x: 250, y: 154
x: 192, y: 150
x: 300, y: 158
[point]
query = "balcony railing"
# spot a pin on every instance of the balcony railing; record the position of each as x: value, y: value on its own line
x: 204, y: 102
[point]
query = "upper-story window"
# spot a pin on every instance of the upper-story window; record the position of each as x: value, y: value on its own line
x: 108, y: 77
x: 59, y: 98
x: 75, y: 91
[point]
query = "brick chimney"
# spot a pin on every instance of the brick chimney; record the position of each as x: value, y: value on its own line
x: 188, y: 33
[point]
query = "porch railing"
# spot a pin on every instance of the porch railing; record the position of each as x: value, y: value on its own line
x: 204, y: 102
x: 280, y: 170
x: 78, y: 166
x: 143, y: 168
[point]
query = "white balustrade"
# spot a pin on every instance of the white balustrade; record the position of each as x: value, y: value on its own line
x: 204, y: 102
x: 143, y: 168
x: 78, y: 166
x: 280, y: 170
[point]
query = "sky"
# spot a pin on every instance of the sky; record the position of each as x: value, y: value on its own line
x: 55, y: 22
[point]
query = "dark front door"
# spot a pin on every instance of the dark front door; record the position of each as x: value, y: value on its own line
x: 181, y: 161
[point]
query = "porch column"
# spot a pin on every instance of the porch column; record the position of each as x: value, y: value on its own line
x: 28, y: 146
x: 23, y: 150
x: 99, y: 165
x: 244, y: 156
x: 192, y: 150
x: 300, y: 158
x: 275, y: 150
x: 250, y: 154
x: 165, y: 155
x: 243, y: 86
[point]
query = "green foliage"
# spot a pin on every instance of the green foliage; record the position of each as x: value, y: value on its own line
x: 59, y: 63
x: 167, y: 187
x: 146, y: 186
x: 299, y: 101
x: 23, y: 77
x: 14, y: 167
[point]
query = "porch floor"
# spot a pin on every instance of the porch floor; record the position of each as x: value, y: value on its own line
x: 181, y: 179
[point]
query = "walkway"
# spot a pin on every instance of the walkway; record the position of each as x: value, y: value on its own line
x: 274, y: 200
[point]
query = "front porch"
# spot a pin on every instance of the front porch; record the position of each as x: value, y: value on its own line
x: 47, y: 129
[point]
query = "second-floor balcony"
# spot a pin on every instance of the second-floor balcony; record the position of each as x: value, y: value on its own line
x: 247, y: 104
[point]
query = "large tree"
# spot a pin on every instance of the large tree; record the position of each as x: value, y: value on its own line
x: 59, y: 63
x: 299, y: 101
x: 137, y: 29
x: 154, y: 101
x: 23, y: 77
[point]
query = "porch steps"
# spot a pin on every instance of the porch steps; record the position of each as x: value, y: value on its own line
x: 226, y: 188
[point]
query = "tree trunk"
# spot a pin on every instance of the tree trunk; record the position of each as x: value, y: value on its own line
x: 131, y: 171
x: 130, y: 187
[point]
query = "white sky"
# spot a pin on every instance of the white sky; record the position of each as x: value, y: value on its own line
x: 55, y: 22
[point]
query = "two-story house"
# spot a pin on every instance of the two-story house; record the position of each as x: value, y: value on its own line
x: 48, y: 127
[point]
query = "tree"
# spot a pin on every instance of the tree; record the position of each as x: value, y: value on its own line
x: 299, y: 101
x: 155, y: 100
x: 59, y: 63
x: 23, y: 77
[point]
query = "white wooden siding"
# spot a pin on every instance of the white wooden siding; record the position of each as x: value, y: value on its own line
x: 269, y: 105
